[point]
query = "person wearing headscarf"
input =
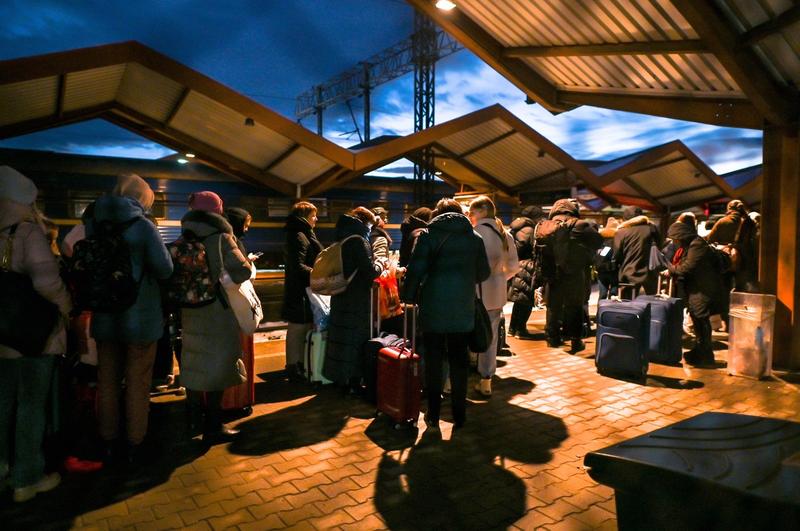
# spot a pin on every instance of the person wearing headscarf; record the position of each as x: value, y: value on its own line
x: 410, y: 230
x: 126, y: 340
x: 521, y: 291
x: 736, y: 228
x: 566, y: 292
x: 695, y: 266
x: 212, y: 345
x: 300, y: 253
x: 240, y: 220
x: 349, y: 326
x: 27, y: 377
x: 635, y: 236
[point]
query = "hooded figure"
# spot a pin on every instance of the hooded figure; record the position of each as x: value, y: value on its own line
x: 635, y: 235
x: 28, y: 378
x: 521, y: 291
x: 239, y: 219
x: 410, y: 230
x: 704, y: 293
x: 212, y: 344
x: 568, y: 292
x: 349, y: 326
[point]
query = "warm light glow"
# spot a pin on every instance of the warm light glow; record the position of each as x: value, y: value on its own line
x: 437, y: 173
x: 445, y: 5
x: 189, y: 155
x: 182, y: 161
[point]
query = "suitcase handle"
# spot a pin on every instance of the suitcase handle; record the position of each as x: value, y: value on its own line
x: 413, y: 329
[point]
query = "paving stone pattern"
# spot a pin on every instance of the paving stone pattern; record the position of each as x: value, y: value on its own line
x: 314, y: 459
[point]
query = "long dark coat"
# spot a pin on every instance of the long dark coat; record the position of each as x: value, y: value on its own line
x: 410, y: 230
x: 302, y: 248
x: 632, y: 250
x: 698, y: 272
x: 348, y: 329
x: 521, y: 289
x: 724, y: 232
x: 446, y: 273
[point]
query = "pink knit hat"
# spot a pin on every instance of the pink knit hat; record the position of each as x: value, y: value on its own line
x: 206, y: 201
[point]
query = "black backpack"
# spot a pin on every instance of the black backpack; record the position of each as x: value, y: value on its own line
x: 102, y: 272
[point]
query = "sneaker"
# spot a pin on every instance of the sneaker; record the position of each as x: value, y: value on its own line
x: 48, y: 482
x: 484, y: 387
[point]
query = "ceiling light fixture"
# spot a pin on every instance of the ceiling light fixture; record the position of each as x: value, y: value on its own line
x: 445, y: 5
x: 189, y: 155
x: 182, y: 161
x: 437, y: 173
x: 249, y: 122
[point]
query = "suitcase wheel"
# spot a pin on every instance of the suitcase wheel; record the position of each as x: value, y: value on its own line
x: 247, y: 411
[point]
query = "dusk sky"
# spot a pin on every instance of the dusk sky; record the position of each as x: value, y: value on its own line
x: 272, y: 50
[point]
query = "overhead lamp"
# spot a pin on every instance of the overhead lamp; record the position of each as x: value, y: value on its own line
x: 437, y: 173
x: 541, y: 153
x: 249, y: 122
x: 445, y: 5
x: 182, y: 161
x: 189, y: 155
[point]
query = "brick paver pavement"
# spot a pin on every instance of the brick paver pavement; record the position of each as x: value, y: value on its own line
x: 314, y: 459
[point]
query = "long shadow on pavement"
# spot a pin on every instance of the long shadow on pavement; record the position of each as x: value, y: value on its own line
x: 463, y: 483
x: 165, y: 450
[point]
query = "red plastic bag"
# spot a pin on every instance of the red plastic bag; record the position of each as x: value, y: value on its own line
x: 388, y: 295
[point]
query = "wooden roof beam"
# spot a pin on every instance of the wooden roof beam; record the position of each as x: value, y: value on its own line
x: 607, y: 49
x: 62, y: 91
x: 488, y: 143
x: 644, y: 193
x: 685, y: 190
x: 483, y: 174
x: 283, y: 156
x: 775, y: 103
x: 762, y: 31
x: 198, y: 147
x: 323, y: 181
x: 524, y: 185
x: 728, y: 112
x: 481, y: 43
x: 177, y: 107
x: 53, y: 120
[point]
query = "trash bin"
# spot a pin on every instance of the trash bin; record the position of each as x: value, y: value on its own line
x: 712, y: 471
x: 752, y: 319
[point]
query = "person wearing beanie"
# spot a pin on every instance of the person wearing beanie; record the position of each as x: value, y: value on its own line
x: 240, y: 220
x: 126, y: 339
x: 521, y: 291
x: 410, y: 230
x: 635, y: 236
x: 696, y: 269
x: 212, y: 344
x: 28, y: 377
x: 737, y: 229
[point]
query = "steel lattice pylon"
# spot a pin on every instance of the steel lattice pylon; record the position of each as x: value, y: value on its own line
x: 425, y: 55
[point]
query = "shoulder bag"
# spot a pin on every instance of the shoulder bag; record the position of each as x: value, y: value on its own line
x: 26, y: 318
x: 242, y: 298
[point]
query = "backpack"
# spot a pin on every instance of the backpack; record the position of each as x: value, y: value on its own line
x: 102, y: 271
x: 550, y: 250
x: 722, y: 260
x: 190, y: 285
x: 327, y: 275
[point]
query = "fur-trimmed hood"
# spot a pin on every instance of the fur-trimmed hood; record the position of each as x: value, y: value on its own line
x: 204, y: 224
x: 634, y: 221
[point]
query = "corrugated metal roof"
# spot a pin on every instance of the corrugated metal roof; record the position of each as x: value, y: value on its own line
x: 515, y: 160
x: 470, y: 138
x: 694, y: 196
x: 743, y: 176
x: 670, y: 178
x: 302, y: 166
x: 27, y: 100
x: 149, y: 92
x: 89, y: 88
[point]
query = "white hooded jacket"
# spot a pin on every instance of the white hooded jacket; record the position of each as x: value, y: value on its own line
x: 504, y: 263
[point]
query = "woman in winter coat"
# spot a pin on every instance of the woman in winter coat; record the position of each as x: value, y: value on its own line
x: 240, y: 220
x: 410, y: 230
x: 501, y: 254
x: 349, y: 326
x: 27, y: 377
x: 699, y: 274
x: 521, y: 291
x: 302, y: 248
x: 447, y: 263
x: 212, y: 344
x: 736, y: 228
x: 126, y: 340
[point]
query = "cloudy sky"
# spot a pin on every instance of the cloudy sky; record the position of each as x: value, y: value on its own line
x: 272, y: 50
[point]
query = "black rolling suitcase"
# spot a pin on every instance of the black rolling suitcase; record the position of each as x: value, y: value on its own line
x: 623, y: 338
x: 666, y: 327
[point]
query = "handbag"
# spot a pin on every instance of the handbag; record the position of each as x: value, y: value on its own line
x: 242, y: 298
x: 481, y: 336
x: 26, y: 318
x: 732, y: 249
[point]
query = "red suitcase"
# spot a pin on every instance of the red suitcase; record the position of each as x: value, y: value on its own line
x: 398, y: 381
x: 241, y: 398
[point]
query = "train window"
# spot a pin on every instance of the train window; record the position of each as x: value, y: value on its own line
x: 78, y: 201
x: 257, y: 206
x: 277, y: 207
x: 159, y: 209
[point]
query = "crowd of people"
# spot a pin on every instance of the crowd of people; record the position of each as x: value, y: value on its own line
x: 450, y: 258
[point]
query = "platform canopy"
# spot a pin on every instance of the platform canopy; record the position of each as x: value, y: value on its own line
x: 486, y: 149
x: 139, y: 89
x: 666, y: 177
x: 723, y: 62
x: 748, y: 183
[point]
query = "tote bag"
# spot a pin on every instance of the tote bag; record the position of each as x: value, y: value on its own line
x: 242, y: 298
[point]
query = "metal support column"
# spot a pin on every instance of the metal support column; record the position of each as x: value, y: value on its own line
x: 319, y: 110
x: 425, y: 55
x: 367, y: 102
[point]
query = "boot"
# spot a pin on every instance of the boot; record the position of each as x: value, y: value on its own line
x: 577, y: 345
x: 214, y: 430
x: 194, y: 413
x: 702, y: 354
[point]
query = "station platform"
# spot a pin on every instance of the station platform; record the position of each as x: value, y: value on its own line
x: 311, y: 458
